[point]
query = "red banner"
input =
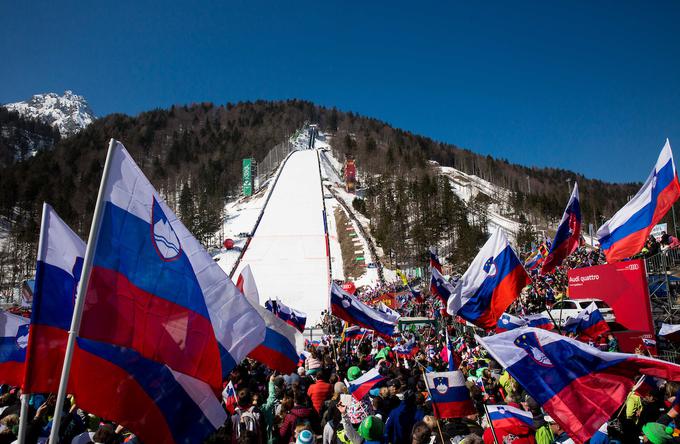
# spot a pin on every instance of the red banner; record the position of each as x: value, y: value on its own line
x: 623, y: 286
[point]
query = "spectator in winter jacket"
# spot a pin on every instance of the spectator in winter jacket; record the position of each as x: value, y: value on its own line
x: 402, y: 419
x: 300, y: 413
x: 320, y: 391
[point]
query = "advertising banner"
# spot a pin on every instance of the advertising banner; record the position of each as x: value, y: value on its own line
x: 623, y: 286
x: 247, y: 177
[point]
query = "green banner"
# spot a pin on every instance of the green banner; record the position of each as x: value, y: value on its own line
x: 247, y: 177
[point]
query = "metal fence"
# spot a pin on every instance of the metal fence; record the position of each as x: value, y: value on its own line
x: 267, y: 166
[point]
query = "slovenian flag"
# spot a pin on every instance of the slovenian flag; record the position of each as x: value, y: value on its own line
x: 578, y: 385
x: 567, y: 236
x: 440, y: 287
x: 588, y: 324
x: 289, y: 315
x: 509, y: 322
x: 364, y: 384
x: 230, y: 398
x: 625, y: 234
x: 540, y: 320
x: 161, y: 322
x: 534, y: 260
x: 407, y: 350
x: 13, y: 341
x: 246, y: 285
x: 450, y: 397
x: 351, y: 310
x: 434, y: 260
x: 354, y: 332
x: 282, y: 344
x: 155, y: 289
x: 510, y: 418
x: 57, y: 273
x: 491, y: 283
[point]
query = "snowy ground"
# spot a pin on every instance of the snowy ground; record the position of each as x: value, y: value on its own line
x: 466, y: 186
x: 287, y: 255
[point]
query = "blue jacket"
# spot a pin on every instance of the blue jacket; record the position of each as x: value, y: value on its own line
x: 400, y: 423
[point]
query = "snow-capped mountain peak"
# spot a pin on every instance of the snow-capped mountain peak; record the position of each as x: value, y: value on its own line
x: 69, y: 113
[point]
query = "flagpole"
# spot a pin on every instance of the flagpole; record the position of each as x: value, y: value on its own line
x: 434, y: 406
x: 493, y: 431
x: 24, y: 397
x: 80, y: 298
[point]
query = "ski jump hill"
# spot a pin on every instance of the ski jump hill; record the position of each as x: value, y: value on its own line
x: 287, y: 254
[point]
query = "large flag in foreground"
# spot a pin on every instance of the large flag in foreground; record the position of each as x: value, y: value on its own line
x: 60, y: 261
x: 588, y: 324
x: 491, y: 283
x: 13, y: 340
x: 568, y: 234
x: 624, y: 235
x: 578, y: 385
x: 450, y: 397
x: 154, y: 289
x: 156, y: 403
x: 350, y: 309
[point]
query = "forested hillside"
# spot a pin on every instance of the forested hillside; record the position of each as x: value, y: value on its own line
x: 193, y: 155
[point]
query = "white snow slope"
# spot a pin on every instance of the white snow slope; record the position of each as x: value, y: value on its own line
x: 287, y: 255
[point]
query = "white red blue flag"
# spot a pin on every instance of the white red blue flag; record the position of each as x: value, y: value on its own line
x: 354, y: 332
x: 230, y: 398
x: 289, y: 315
x: 625, y: 234
x: 588, y: 324
x: 57, y: 273
x: 578, y: 385
x: 448, y: 355
x: 351, y: 310
x: 13, y: 342
x: 509, y: 322
x: 360, y: 387
x: 491, y: 283
x: 153, y: 287
x: 540, y: 320
x: 387, y: 311
x: 449, y: 395
x: 568, y: 234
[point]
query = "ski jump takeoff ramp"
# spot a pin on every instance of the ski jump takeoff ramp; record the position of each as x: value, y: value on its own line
x: 287, y: 253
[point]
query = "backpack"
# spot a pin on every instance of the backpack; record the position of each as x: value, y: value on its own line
x: 248, y: 421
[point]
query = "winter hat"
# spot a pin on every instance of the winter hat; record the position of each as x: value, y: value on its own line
x: 353, y: 373
x: 340, y: 387
x: 371, y: 428
x: 305, y: 437
x: 657, y: 433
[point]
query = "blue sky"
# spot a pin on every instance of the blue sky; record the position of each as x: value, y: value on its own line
x: 588, y: 86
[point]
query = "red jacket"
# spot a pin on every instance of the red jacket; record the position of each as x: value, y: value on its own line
x: 319, y: 392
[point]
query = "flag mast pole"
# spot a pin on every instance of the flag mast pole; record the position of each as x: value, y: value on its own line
x: 80, y: 298
x: 488, y: 418
x: 24, y: 397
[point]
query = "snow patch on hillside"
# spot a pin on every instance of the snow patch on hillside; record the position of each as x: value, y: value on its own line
x: 69, y: 113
